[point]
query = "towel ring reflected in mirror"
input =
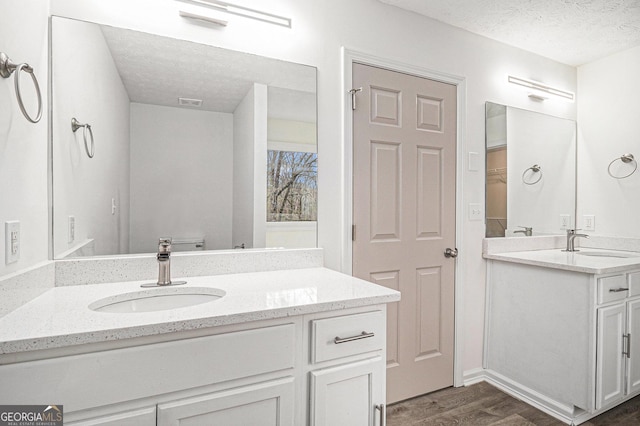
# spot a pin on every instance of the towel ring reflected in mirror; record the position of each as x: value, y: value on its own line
x: 625, y: 159
x: 75, y: 125
x: 7, y: 67
x: 534, y: 169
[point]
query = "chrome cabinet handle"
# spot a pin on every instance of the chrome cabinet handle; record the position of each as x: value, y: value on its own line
x: 626, y: 345
x: 363, y: 335
x: 617, y: 290
x: 451, y: 252
x: 383, y: 414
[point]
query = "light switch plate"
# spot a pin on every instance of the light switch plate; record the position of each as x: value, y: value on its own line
x: 475, y: 211
x: 12, y: 241
x: 589, y: 222
x: 71, y: 236
x: 474, y: 161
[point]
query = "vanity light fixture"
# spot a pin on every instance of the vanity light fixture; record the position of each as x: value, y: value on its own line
x: 207, y: 19
x: 223, y: 6
x: 541, y: 88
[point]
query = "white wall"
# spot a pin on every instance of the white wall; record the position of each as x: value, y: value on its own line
x: 320, y: 29
x: 180, y: 176
x: 548, y: 142
x: 23, y: 146
x: 87, y: 86
x: 250, y: 169
x: 609, y: 126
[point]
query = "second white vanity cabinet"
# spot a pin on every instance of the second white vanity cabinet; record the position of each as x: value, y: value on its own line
x: 567, y: 341
x: 618, y: 339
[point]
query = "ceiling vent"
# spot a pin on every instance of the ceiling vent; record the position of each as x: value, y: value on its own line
x: 194, y: 103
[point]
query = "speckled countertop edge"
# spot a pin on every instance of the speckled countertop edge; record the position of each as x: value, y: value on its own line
x: 61, y: 317
x: 557, y: 259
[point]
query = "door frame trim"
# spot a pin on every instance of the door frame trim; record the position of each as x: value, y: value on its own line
x: 349, y: 57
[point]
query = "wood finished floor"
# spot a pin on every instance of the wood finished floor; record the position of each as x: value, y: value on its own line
x: 483, y: 404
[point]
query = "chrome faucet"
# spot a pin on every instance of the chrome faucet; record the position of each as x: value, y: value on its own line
x: 527, y: 231
x: 164, y: 261
x: 571, y: 236
x: 164, y: 265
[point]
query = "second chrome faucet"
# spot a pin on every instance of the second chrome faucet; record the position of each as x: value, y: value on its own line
x: 571, y: 236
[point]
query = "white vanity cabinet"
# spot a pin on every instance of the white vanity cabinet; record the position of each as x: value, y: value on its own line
x: 246, y: 374
x: 317, y: 369
x: 567, y: 341
x: 347, y: 369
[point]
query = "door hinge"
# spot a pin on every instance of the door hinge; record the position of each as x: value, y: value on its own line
x: 353, y: 232
x: 353, y: 97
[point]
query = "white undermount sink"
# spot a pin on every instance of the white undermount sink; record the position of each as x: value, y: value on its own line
x: 621, y: 255
x: 157, y: 299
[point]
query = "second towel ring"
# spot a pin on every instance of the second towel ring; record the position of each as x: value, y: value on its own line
x: 625, y: 158
x: 535, y: 169
x: 6, y: 69
x: 75, y: 125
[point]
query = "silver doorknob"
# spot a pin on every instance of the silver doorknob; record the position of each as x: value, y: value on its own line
x: 451, y: 252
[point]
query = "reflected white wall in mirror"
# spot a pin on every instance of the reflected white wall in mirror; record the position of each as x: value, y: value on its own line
x: 198, y: 175
x: 530, y: 172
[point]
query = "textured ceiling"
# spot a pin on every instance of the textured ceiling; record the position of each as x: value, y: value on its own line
x: 573, y: 32
x: 158, y: 70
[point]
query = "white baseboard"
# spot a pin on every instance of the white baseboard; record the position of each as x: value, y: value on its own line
x: 566, y: 414
x: 471, y: 377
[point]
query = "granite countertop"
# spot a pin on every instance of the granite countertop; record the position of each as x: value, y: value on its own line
x: 60, y: 317
x: 579, y: 261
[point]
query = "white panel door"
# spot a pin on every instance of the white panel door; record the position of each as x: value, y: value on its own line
x: 347, y: 395
x: 404, y: 215
x: 633, y: 362
x: 264, y: 404
x: 609, y: 359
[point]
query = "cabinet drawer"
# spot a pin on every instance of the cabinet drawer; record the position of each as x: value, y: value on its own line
x: 149, y: 370
x: 347, y: 335
x: 612, y: 288
x: 634, y: 284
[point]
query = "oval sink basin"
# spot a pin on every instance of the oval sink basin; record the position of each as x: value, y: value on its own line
x: 620, y: 255
x: 157, y: 299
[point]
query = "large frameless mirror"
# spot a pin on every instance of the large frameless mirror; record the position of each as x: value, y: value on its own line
x: 158, y: 137
x: 530, y: 172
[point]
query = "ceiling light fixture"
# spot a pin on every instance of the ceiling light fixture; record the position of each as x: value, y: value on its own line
x: 246, y: 12
x: 542, y: 88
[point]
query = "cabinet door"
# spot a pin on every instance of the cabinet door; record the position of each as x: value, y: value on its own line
x: 264, y: 404
x: 633, y: 362
x: 610, y: 360
x: 347, y: 394
x: 142, y: 417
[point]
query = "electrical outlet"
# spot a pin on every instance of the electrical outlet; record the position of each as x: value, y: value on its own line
x: 475, y: 211
x: 71, y: 236
x: 589, y: 222
x: 565, y: 221
x: 12, y: 241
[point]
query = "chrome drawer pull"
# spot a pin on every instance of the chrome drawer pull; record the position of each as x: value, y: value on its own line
x: 617, y: 290
x: 363, y: 335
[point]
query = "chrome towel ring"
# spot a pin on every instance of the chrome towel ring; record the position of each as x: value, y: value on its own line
x: 625, y: 158
x: 534, y: 169
x: 7, y: 67
x: 75, y: 125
